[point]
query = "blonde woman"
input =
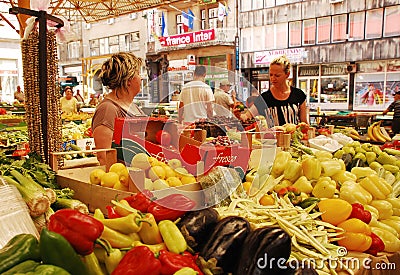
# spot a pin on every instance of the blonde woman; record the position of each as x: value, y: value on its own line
x: 121, y: 74
x: 281, y: 102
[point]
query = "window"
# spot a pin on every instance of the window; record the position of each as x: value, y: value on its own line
x: 356, y: 27
x: 73, y: 50
x: 339, y: 23
x: 391, y: 25
x: 257, y: 4
x: 281, y: 2
x: 245, y: 5
x: 295, y: 34
x: 281, y: 36
x: 324, y: 30
x: 374, y: 24
x: 309, y: 32
x: 246, y: 40
x: 269, y: 3
x: 104, y: 47
x: 258, y: 34
x: 269, y: 37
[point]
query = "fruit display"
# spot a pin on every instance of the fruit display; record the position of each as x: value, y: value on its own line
x: 377, y: 133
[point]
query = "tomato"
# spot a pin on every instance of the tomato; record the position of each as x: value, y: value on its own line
x: 163, y: 138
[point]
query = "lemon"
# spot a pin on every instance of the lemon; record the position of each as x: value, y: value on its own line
x: 109, y: 179
x: 160, y: 184
x: 188, y: 179
x: 174, y: 163
x: 180, y: 172
x: 173, y: 181
x: 156, y: 172
x: 141, y: 161
x: 95, y: 176
x: 120, y: 186
x: 148, y: 184
x: 153, y: 161
x: 169, y: 172
x: 122, y: 172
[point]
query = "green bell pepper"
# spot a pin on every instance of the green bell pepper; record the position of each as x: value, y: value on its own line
x: 56, y: 250
x: 20, y: 248
x: 24, y: 267
x: 46, y: 269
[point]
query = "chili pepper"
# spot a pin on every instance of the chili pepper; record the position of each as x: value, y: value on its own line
x: 98, y: 214
x: 292, y: 171
x: 392, y: 243
x: 18, y: 249
x: 353, y: 192
x: 377, y: 186
x: 325, y: 188
x: 172, y: 236
x: 303, y: 185
x: 79, y: 229
x: 56, y: 250
x: 334, y: 211
x: 384, y: 207
x: 385, y: 158
x: 155, y: 248
x: 280, y: 162
x: 140, y: 201
x: 293, y: 194
x: 131, y: 223
x: 116, y: 238
x: 111, y: 213
x: 149, y: 233
x: 138, y: 260
x: 123, y: 208
x: 311, y: 168
x: 113, y: 259
x: 186, y: 271
x: 172, y: 262
x: 170, y: 207
x: 360, y: 213
x: 92, y: 264
x: 377, y: 245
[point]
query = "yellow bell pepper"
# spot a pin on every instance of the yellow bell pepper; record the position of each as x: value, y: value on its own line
x: 373, y: 210
x: 355, y: 225
x: 362, y: 172
x: 395, y: 205
x: 282, y: 184
x: 376, y: 186
x: 311, y: 168
x: 281, y: 160
x: 172, y: 236
x: 324, y: 189
x: 323, y: 155
x: 331, y: 167
x: 343, y: 176
x: 356, y: 236
x: 384, y: 207
x: 334, y: 211
x: 383, y: 225
x: 292, y: 171
x: 303, y: 185
x: 392, y: 243
x: 353, y: 192
x: 393, y: 222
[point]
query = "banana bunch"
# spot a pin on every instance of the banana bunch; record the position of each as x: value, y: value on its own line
x: 351, y: 132
x: 376, y: 133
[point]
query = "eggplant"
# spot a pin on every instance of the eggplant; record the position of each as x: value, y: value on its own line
x: 196, y: 226
x: 265, y: 251
x: 226, y: 241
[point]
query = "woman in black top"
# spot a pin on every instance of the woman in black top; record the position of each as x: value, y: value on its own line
x: 281, y: 103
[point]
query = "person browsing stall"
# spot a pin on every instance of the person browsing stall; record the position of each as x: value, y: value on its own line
x: 121, y: 74
x: 282, y: 102
x: 395, y: 107
x: 69, y: 104
x: 222, y: 96
x: 19, y: 95
x: 196, y: 98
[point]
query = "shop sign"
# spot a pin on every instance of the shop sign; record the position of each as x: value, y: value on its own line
x: 187, y: 38
x: 309, y: 71
x: 295, y: 55
x: 334, y: 69
x: 8, y: 72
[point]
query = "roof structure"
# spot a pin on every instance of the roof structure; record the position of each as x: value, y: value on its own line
x: 96, y: 10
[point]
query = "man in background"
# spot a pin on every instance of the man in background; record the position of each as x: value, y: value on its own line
x: 196, y: 98
x: 222, y: 96
x: 19, y: 95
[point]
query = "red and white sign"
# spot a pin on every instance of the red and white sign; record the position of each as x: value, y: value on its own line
x: 295, y: 55
x: 187, y: 38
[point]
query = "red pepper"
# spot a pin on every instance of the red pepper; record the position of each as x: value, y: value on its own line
x: 360, y: 213
x: 172, y: 262
x: 377, y: 245
x: 138, y: 260
x: 140, y: 201
x: 79, y: 229
x: 170, y: 207
x: 111, y: 213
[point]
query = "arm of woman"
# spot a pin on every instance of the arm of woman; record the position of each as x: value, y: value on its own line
x: 103, y: 139
x: 303, y: 113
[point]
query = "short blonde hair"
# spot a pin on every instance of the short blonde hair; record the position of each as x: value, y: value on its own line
x: 284, y: 61
x: 119, y: 69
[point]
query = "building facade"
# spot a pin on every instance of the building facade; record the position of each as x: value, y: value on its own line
x: 345, y: 54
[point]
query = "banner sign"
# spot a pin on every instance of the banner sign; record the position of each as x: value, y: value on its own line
x: 187, y: 38
x: 295, y: 55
